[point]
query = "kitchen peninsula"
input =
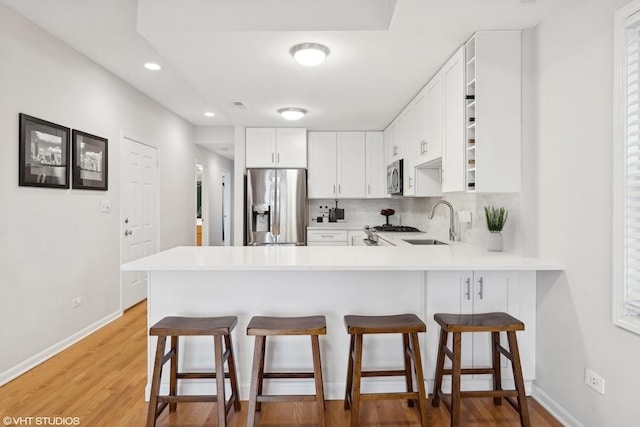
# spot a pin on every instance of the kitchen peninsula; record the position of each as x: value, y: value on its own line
x: 334, y: 281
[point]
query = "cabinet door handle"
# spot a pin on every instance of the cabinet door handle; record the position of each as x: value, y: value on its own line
x: 468, y: 293
x: 272, y: 157
x: 339, y: 189
x: 278, y: 157
x: 481, y: 291
x: 334, y: 189
x: 368, y: 188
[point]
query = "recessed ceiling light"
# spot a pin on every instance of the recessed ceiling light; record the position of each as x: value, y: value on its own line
x: 292, y: 113
x: 209, y: 114
x: 152, y: 66
x: 309, y: 54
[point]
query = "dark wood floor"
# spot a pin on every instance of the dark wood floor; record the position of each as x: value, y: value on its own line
x: 101, y: 381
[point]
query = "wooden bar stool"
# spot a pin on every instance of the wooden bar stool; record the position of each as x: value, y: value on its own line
x: 409, y: 325
x: 486, y: 322
x: 218, y: 327
x: 263, y: 326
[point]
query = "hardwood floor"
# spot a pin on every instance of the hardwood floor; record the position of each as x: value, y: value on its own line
x: 101, y: 381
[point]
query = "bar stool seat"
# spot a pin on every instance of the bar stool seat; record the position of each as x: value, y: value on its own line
x: 409, y: 325
x: 174, y: 327
x: 263, y: 326
x: 483, y: 322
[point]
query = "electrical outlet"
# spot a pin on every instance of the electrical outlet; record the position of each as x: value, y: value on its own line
x: 594, y: 380
x: 76, y: 302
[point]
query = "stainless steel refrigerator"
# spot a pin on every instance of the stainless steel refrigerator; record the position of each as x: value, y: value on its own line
x: 276, y: 207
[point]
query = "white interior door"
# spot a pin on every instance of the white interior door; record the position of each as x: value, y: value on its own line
x: 226, y: 208
x: 139, y: 231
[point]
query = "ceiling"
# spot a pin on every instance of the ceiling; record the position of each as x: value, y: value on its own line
x: 215, y: 52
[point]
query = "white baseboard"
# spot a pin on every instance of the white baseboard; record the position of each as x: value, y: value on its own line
x: 554, y: 408
x: 37, y: 359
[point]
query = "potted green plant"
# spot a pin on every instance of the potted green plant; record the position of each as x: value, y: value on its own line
x: 496, y: 218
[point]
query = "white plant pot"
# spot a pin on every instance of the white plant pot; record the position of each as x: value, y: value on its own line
x: 494, y: 241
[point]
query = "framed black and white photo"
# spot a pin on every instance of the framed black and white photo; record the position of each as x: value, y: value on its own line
x: 43, y: 153
x: 90, y: 161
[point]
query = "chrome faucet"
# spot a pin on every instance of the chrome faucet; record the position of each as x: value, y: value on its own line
x: 452, y: 234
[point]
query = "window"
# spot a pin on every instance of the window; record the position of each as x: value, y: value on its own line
x: 626, y: 169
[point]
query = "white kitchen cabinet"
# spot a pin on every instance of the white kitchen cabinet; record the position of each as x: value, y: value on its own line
x: 468, y: 292
x: 336, y: 165
x: 453, y: 155
x: 376, y: 168
x: 328, y: 237
x: 432, y: 120
x: 322, y: 165
x: 408, y: 148
x: 276, y: 148
x: 351, y: 160
x: 391, y: 148
x: 493, y: 110
x: 356, y: 237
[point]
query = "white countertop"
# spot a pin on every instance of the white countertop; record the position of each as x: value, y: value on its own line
x: 458, y: 256
x: 340, y: 225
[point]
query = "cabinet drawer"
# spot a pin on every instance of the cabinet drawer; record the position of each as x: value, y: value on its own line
x: 327, y: 236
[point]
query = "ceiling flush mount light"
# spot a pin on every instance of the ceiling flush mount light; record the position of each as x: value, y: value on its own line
x: 152, y: 66
x: 209, y: 114
x: 309, y: 54
x: 292, y: 113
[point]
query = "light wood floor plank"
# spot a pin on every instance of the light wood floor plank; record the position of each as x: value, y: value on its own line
x: 101, y: 380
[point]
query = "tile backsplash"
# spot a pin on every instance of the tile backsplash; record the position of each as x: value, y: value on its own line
x: 414, y: 211
x: 358, y: 211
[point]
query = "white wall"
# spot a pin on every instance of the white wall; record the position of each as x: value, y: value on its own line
x: 571, y: 191
x: 215, y: 165
x: 55, y: 245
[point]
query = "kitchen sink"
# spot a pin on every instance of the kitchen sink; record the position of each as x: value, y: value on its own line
x: 424, y: 242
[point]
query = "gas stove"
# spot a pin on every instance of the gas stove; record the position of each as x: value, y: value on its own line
x: 395, y: 228
x: 372, y: 232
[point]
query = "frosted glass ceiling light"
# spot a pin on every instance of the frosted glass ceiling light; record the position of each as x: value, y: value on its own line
x: 152, y: 66
x: 309, y: 54
x: 209, y: 114
x: 292, y: 113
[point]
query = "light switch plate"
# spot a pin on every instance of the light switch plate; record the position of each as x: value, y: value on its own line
x: 105, y: 206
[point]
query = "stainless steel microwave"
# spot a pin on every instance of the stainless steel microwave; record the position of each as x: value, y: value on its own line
x: 394, y: 177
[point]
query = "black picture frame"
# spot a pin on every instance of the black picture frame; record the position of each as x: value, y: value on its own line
x: 43, y: 153
x: 90, y: 161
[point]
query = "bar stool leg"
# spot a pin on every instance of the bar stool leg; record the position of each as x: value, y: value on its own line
x: 155, y: 382
x: 233, y: 377
x: 357, y: 377
x: 407, y: 366
x: 173, y: 377
x: 422, y: 393
x: 517, y: 376
x: 437, y: 386
x: 455, y: 379
x: 220, y: 398
x: 317, y: 374
x: 261, y: 373
x: 497, y: 374
x: 348, y: 394
x: 256, y: 379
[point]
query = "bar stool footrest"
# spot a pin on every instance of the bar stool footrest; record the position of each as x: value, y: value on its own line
x: 393, y: 373
x: 266, y: 398
x: 188, y: 398
x: 199, y: 375
x: 287, y: 375
x: 389, y: 396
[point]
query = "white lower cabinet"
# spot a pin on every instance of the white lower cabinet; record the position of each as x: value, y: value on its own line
x: 328, y: 237
x: 468, y: 292
x: 335, y: 237
x: 356, y: 237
